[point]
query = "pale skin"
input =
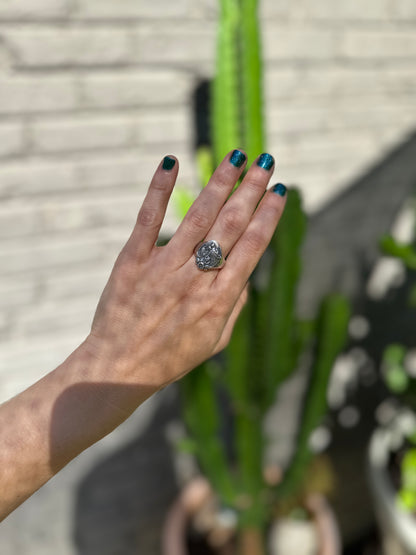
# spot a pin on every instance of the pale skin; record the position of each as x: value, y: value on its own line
x: 158, y: 318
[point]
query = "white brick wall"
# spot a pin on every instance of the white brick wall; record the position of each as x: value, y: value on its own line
x: 75, y: 47
x: 32, y: 11
x: 93, y: 93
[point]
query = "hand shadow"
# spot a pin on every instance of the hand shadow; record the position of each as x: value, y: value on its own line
x: 121, y: 503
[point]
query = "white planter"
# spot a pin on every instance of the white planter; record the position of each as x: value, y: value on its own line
x: 320, y: 536
x: 398, y: 529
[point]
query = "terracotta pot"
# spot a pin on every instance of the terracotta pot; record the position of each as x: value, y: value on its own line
x: 178, y: 518
x: 398, y: 529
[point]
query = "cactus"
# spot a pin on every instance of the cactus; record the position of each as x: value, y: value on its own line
x: 268, y: 338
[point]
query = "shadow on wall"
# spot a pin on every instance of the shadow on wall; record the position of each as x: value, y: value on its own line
x: 341, y: 251
x: 121, y: 503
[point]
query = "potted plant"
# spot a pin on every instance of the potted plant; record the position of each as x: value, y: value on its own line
x: 392, y: 451
x: 239, y: 494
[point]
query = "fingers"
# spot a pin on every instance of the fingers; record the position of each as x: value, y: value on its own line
x: 237, y: 212
x: 205, y: 209
x: 153, y: 209
x: 246, y: 253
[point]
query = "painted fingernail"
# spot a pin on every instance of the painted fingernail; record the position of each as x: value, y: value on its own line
x: 266, y: 161
x: 279, y: 189
x: 238, y: 158
x: 168, y: 163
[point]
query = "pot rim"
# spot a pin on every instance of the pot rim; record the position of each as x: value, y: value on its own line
x: 382, y: 489
x: 177, y: 518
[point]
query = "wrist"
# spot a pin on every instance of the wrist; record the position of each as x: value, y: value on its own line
x: 121, y: 379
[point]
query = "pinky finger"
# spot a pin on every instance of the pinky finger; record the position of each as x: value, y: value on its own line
x: 248, y: 250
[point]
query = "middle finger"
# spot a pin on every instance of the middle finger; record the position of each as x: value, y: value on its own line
x: 238, y: 211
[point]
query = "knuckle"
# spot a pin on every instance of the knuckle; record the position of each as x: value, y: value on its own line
x: 232, y: 221
x: 198, y: 220
x: 159, y: 185
x: 147, y: 217
x: 257, y: 185
x: 126, y: 268
x: 255, y: 241
x: 221, y: 180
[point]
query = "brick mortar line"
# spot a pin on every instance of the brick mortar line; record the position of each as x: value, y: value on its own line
x: 129, y: 24
x: 92, y: 69
x: 193, y: 68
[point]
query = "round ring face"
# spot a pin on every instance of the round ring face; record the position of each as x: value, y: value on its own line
x: 208, y: 256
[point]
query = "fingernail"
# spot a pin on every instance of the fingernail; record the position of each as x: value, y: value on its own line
x: 168, y: 163
x: 279, y: 189
x: 266, y: 161
x: 238, y: 158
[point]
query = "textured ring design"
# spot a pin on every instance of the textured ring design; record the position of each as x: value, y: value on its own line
x: 208, y: 256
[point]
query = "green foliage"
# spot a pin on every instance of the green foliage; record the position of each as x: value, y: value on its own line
x: 331, y: 332
x: 269, y: 339
x: 403, y: 251
x: 394, y: 372
x: 400, y: 382
x: 182, y: 201
x: 407, y: 494
x: 237, y: 119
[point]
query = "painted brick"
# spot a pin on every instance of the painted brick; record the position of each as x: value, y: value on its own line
x: 135, y: 89
x: 379, y: 45
x: 76, y: 315
x: 296, y: 43
x: 45, y: 253
x: 351, y: 10
x: 404, y: 9
x: 328, y: 146
x: 12, y: 139
x: 39, y: 9
x: 204, y: 9
x: 82, y: 134
x: 128, y: 9
x: 18, y: 180
x: 69, y: 47
x: 191, y: 45
x: 43, y: 93
x: 16, y: 293
x: 84, y: 282
x: 135, y: 168
x: 18, y: 219
x: 278, y: 9
x: 157, y: 127
x: 329, y: 116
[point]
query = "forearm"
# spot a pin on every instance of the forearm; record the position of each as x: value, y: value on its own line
x: 158, y: 317
x: 49, y: 424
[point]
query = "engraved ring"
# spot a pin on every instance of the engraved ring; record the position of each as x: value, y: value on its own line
x: 208, y: 256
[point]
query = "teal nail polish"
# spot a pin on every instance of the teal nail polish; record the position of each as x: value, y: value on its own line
x: 237, y: 158
x: 279, y: 189
x: 168, y: 163
x: 266, y: 161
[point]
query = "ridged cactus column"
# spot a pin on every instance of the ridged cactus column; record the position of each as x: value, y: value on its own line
x: 269, y: 338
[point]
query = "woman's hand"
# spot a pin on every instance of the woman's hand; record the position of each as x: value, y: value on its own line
x: 159, y: 315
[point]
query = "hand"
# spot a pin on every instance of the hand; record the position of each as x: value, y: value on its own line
x: 159, y: 315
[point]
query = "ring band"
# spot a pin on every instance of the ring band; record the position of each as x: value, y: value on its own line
x: 208, y: 256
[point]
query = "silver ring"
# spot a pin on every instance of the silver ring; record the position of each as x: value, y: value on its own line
x: 208, y: 256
